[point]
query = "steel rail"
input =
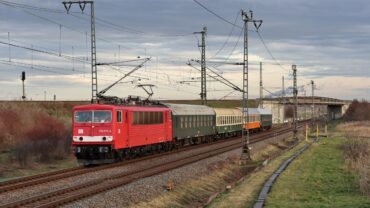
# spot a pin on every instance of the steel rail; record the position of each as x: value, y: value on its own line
x: 77, y: 192
x: 28, y: 181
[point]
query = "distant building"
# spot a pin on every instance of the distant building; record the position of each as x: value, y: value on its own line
x: 283, y: 109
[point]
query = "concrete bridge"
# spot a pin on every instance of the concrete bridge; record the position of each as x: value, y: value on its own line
x: 283, y: 108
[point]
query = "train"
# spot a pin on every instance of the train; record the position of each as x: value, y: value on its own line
x: 106, y: 133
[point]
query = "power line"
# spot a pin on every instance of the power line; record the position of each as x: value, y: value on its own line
x: 218, y: 16
x: 100, y: 21
x: 40, y: 68
x: 25, y: 6
x: 42, y: 51
x: 24, y: 65
x: 65, y: 26
x: 269, y: 52
x: 228, y: 37
x: 227, y: 21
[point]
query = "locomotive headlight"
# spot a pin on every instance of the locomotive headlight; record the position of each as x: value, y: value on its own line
x: 103, y: 149
x: 106, y: 149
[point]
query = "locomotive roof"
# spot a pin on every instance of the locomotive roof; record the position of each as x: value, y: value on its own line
x: 227, y: 112
x: 110, y: 107
x: 186, y: 109
x: 92, y: 106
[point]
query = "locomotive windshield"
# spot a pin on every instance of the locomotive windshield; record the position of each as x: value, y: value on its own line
x: 98, y: 116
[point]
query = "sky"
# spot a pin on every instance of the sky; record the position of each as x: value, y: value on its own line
x: 327, y: 40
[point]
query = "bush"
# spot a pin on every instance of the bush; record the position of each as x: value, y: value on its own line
x: 358, y: 111
x: 34, y: 133
x: 47, y: 136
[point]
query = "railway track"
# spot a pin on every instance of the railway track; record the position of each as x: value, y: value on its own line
x: 77, y: 192
x: 29, y: 181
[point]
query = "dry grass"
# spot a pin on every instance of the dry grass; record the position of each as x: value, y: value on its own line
x: 355, y: 128
x: 195, y: 193
x: 245, y: 193
x: 357, y: 152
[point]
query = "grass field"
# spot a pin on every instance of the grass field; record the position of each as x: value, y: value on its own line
x: 10, y: 172
x: 244, y: 194
x: 318, y: 178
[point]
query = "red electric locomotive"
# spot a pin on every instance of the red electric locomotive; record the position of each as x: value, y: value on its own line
x: 105, y: 133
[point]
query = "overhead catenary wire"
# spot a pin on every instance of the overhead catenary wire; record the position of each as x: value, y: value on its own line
x: 229, y: 22
x: 269, y: 52
x: 42, y: 51
x: 216, y: 77
x: 99, y: 20
x: 42, y: 68
x: 215, y: 14
x: 232, y: 51
x: 228, y: 37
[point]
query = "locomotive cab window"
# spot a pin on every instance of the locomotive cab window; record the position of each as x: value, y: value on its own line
x: 101, y: 116
x: 83, y: 116
x: 97, y: 116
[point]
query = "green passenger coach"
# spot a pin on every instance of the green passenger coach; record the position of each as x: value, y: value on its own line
x: 266, y: 118
x: 192, y: 123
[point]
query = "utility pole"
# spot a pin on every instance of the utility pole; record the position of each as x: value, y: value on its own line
x: 313, y: 105
x: 283, y: 89
x: 295, y: 93
x: 94, y: 72
x: 203, y: 91
x: 281, y: 118
x: 261, y: 87
x: 246, y: 156
x: 305, y: 103
x: 23, y: 87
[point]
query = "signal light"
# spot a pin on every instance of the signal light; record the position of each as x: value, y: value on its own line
x: 23, y: 75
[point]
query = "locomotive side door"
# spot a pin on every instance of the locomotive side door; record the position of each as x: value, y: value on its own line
x: 120, y: 128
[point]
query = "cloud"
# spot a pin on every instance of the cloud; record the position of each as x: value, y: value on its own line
x: 327, y: 40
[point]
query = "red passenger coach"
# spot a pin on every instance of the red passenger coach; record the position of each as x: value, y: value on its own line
x: 106, y: 133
